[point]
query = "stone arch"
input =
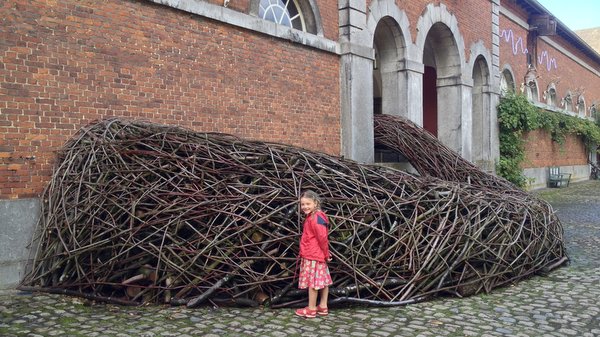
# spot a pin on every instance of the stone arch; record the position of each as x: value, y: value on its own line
x: 507, y: 80
x: 581, y: 106
x: 440, y: 46
x: 530, y: 87
x: 477, y: 52
x: 567, y: 101
x: 389, y: 47
x: 386, y: 28
x: 550, y: 95
x: 388, y: 86
x: 438, y: 21
x: 389, y: 35
x: 310, y: 14
x: 379, y: 10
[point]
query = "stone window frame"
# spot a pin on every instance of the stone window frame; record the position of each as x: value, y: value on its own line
x: 594, y: 109
x: 531, y: 91
x: 530, y: 86
x: 507, y: 81
x: 567, y: 101
x: 308, y: 9
x: 550, y: 95
x: 581, y: 106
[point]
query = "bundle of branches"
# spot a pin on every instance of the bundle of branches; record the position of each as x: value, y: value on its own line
x: 142, y: 213
x: 429, y: 156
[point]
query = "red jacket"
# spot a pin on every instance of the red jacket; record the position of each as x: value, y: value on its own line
x: 314, y: 244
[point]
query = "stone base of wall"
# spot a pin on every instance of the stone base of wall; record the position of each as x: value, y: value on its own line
x: 538, y: 176
x: 18, y: 219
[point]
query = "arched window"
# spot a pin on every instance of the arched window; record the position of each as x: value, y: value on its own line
x: 551, y: 95
x: 298, y: 14
x: 507, y: 82
x: 530, y: 86
x: 531, y: 91
x: 567, y: 102
x: 283, y: 12
x: 581, y: 106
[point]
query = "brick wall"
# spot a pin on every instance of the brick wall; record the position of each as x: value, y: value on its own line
x: 568, y: 74
x: 541, y: 151
x: 474, y: 21
x: 511, y: 48
x: 236, y: 5
x: 65, y: 63
x: 555, y: 66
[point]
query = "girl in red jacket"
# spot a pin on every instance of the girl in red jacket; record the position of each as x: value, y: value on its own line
x: 314, y: 255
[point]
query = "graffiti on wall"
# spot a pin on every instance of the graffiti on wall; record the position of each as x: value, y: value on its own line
x: 519, y: 47
x: 550, y: 61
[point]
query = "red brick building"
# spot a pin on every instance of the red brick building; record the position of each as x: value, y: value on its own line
x: 304, y: 72
x: 559, y: 72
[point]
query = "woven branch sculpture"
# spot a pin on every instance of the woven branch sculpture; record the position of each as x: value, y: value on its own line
x: 142, y: 213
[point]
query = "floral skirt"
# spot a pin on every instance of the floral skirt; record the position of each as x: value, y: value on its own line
x: 313, y: 274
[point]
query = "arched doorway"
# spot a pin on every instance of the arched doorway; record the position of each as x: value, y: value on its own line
x: 388, y: 83
x: 442, y: 86
x: 389, y: 45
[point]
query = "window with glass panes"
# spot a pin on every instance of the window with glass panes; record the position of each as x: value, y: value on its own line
x: 283, y: 12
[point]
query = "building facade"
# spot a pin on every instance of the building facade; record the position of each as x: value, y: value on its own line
x: 305, y: 72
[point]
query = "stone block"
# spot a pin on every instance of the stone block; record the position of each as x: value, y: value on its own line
x: 17, y: 222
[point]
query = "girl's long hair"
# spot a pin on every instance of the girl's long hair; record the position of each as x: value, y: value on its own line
x: 310, y: 194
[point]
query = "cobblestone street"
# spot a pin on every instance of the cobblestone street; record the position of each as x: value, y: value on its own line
x: 563, y: 303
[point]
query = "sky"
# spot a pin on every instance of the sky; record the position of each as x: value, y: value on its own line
x: 575, y: 14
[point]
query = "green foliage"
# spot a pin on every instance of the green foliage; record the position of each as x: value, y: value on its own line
x: 514, y: 116
x: 517, y: 115
x: 510, y: 169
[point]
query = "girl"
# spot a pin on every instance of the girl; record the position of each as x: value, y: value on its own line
x: 314, y: 255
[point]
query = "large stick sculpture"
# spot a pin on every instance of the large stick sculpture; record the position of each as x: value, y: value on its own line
x: 143, y: 213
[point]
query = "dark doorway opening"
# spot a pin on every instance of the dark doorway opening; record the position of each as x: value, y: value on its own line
x: 430, y: 108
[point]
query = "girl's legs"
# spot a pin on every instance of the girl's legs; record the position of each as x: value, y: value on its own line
x: 324, y: 295
x: 312, y: 298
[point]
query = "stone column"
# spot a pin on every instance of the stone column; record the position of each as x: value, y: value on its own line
x: 357, y: 56
x: 483, y: 139
x: 402, y: 88
x: 495, y: 85
x: 411, y: 86
x: 455, y: 114
x: 18, y: 219
x: 391, y: 90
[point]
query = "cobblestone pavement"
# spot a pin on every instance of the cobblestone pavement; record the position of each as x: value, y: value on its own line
x: 563, y: 303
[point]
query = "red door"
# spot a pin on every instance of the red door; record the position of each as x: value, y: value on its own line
x: 430, y: 101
